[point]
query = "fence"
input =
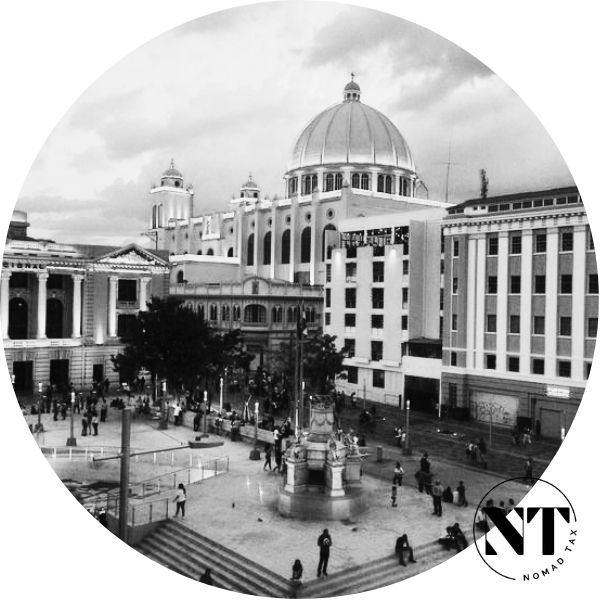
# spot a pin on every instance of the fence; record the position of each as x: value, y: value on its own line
x: 142, y: 513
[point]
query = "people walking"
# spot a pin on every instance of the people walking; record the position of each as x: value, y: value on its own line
x: 180, y: 500
x: 268, y: 452
x: 324, y: 543
x: 398, y: 473
x: 436, y: 493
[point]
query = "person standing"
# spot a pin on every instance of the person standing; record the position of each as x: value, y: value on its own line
x: 398, y: 473
x: 324, y: 543
x: 206, y: 577
x: 95, y: 422
x: 103, y: 411
x: 462, y: 494
x: 529, y: 470
x: 180, y: 500
x: 436, y: 493
x: 84, y: 424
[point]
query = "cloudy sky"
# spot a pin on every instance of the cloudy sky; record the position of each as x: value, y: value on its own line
x: 228, y: 94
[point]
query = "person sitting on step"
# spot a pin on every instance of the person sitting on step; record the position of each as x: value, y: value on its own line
x: 402, y: 548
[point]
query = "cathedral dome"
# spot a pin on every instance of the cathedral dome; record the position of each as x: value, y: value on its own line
x: 351, y: 133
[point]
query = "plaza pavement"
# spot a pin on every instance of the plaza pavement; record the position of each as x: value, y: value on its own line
x: 238, y: 509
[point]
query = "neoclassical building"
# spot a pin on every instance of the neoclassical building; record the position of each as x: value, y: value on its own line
x: 350, y: 161
x: 64, y: 306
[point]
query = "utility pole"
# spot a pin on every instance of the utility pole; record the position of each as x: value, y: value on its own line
x: 124, y: 479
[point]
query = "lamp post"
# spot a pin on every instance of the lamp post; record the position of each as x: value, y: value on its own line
x: 39, y: 427
x: 255, y: 452
x: 407, y: 450
x: 71, y: 441
x: 164, y: 410
x: 204, y: 426
x: 220, y: 396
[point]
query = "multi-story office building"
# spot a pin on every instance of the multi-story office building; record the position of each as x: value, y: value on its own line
x: 64, y: 306
x: 520, y: 309
x: 382, y: 302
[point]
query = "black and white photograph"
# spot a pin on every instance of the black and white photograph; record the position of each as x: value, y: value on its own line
x: 300, y: 300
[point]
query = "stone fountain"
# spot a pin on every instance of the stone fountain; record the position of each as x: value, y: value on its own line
x: 323, y: 479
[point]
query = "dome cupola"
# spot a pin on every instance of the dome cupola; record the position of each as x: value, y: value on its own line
x: 172, y: 177
x: 352, y: 91
x: 250, y: 189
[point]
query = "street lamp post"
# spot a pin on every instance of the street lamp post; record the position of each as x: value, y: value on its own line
x: 220, y: 396
x: 39, y: 427
x: 71, y: 441
x: 204, y: 425
x: 255, y: 452
x: 407, y: 450
x: 164, y: 411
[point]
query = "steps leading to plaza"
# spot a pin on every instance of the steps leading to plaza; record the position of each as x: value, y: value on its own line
x: 375, y: 574
x: 189, y: 553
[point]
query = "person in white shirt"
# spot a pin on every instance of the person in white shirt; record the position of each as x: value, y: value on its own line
x: 180, y: 499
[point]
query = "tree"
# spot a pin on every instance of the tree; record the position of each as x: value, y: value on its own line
x: 321, y: 362
x: 170, y: 340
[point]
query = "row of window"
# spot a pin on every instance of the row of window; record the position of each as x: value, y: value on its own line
x: 305, y: 246
x: 539, y: 325
x: 377, y: 377
x: 521, y: 205
x: 256, y: 313
x: 376, y: 321
x: 539, y: 246
x: 334, y: 181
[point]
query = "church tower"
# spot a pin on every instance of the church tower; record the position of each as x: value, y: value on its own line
x: 171, y: 202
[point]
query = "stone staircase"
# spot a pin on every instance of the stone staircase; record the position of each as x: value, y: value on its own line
x: 189, y: 553
x: 375, y: 574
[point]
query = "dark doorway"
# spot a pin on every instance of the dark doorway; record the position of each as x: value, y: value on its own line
x: 316, y: 477
x: 23, y: 372
x: 54, y: 318
x: 17, y: 319
x: 59, y: 373
x: 422, y: 392
x: 98, y: 372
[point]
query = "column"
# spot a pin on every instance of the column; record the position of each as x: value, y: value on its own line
x: 397, y: 191
x: 526, y: 299
x: 374, y: 174
x: 471, y: 281
x: 41, y: 309
x: 4, y: 300
x: 293, y: 227
x: 76, y: 328
x: 144, y: 292
x: 274, y: 234
x: 480, y: 303
x: 314, y: 244
x: 502, y: 301
x: 551, y: 301
x: 112, y: 306
x: 578, y: 301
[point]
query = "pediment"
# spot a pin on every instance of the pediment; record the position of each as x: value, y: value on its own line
x: 132, y: 255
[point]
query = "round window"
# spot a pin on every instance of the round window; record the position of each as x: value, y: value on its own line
x: 330, y: 213
x: 269, y: 222
x: 288, y: 220
x: 307, y: 216
x: 231, y: 230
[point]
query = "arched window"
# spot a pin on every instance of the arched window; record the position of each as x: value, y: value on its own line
x: 230, y: 252
x: 292, y: 314
x: 200, y: 310
x: 199, y: 252
x: 329, y: 182
x: 339, y: 180
x: 54, y: 318
x: 315, y: 183
x: 305, y: 245
x: 210, y: 252
x: 277, y: 314
x: 329, y: 241
x: 306, y: 185
x: 310, y: 314
x: 17, y: 319
x: 180, y: 278
x: 255, y: 313
x: 292, y: 186
x: 267, y: 249
x: 212, y: 312
x: 364, y: 181
x: 236, y: 312
x: 380, y: 183
x: 225, y: 312
x: 250, y: 250
x: 356, y: 180
x: 388, y: 184
x: 285, y: 247
x: 154, y: 217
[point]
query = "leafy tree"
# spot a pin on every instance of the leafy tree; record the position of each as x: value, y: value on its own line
x: 322, y: 361
x: 170, y: 340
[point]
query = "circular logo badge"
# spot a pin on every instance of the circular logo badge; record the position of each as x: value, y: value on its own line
x: 529, y: 540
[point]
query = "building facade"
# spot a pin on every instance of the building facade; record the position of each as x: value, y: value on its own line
x: 520, y: 309
x: 382, y: 301
x: 64, y: 306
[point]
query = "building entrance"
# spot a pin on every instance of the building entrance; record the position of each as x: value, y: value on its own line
x: 23, y: 372
x: 422, y: 392
x: 59, y: 373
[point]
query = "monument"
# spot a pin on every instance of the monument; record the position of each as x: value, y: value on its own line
x: 323, y: 478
